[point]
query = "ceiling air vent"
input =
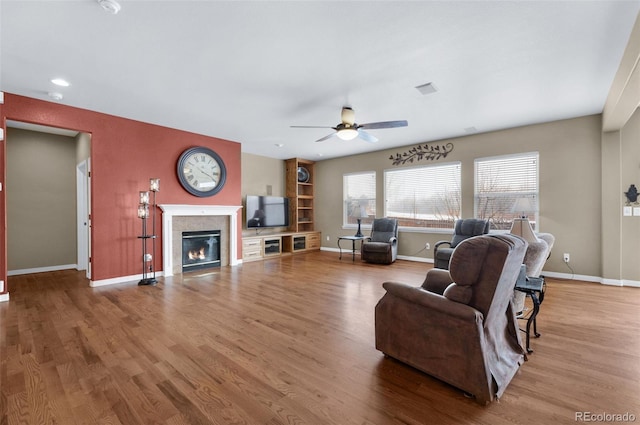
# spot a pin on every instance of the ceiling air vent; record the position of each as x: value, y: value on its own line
x: 426, y: 89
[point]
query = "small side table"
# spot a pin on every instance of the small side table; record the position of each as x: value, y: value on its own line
x: 353, y: 240
x: 534, y: 288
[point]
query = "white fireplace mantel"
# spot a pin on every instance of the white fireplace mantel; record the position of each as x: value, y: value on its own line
x: 171, y: 210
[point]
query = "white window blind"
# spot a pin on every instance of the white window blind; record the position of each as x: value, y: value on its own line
x: 359, y: 196
x: 499, y: 182
x: 424, y: 197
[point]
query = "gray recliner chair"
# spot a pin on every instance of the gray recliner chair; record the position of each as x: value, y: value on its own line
x: 382, y: 246
x: 463, y: 229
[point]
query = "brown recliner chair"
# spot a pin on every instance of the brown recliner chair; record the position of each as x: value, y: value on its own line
x: 382, y: 246
x: 464, y: 333
x: 463, y: 229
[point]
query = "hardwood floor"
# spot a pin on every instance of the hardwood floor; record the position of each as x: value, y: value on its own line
x: 287, y: 341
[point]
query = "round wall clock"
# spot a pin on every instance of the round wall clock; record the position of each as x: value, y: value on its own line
x: 201, y: 171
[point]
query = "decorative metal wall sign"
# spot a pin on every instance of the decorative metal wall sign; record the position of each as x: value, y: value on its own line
x: 632, y: 195
x: 422, y: 152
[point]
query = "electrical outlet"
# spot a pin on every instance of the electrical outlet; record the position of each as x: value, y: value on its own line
x: 427, y: 246
x: 566, y: 258
x: 328, y: 238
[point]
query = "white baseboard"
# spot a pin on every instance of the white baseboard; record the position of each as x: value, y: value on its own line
x: 595, y: 279
x: 42, y: 269
x: 324, y: 248
x: 346, y: 251
x: 136, y: 278
x: 122, y: 279
x: 418, y: 259
x: 567, y: 276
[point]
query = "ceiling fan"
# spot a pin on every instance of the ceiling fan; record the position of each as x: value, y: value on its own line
x: 348, y: 129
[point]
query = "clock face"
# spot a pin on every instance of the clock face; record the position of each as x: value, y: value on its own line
x: 201, y: 171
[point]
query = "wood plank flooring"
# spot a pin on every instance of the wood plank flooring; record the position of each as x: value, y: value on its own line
x: 287, y: 341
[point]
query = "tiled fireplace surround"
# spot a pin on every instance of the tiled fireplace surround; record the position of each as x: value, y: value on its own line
x: 181, y: 218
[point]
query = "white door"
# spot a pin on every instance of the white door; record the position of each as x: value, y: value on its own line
x: 83, y: 216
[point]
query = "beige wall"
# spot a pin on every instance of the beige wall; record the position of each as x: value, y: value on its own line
x: 570, y: 185
x: 41, y: 200
x: 83, y: 147
x: 620, y: 234
x: 630, y: 174
x: 612, y: 201
x: 621, y: 168
x: 261, y: 176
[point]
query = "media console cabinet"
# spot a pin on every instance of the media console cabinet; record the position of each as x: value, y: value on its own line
x: 261, y: 247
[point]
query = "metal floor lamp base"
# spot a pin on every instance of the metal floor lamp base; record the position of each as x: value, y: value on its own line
x: 147, y: 281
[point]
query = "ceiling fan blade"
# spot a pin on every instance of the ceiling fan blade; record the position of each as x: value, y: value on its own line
x: 367, y: 137
x: 329, y: 136
x: 384, y: 124
x: 311, y: 126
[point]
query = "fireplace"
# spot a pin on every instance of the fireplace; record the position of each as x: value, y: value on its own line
x: 184, y: 218
x: 200, y: 250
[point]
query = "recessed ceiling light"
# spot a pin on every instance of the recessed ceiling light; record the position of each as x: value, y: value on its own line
x: 55, y: 95
x: 427, y: 88
x: 60, y: 82
x: 111, y: 6
x: 279, y: 145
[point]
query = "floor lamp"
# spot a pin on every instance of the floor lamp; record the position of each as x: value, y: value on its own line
x: 154, y: 187
x: 143, y: 214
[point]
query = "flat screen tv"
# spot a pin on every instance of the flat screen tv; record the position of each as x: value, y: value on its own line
x: 267, y: 211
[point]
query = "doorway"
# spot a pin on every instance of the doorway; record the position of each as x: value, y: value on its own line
x: 58, y: 204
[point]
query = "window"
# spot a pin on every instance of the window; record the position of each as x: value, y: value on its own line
x: 423, y: 197
x: 359, y: 196
x: 499, y: 182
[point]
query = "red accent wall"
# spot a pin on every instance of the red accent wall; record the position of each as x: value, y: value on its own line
x: 124, y: 155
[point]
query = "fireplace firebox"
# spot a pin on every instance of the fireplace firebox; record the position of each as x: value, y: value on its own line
x: 200, y: 250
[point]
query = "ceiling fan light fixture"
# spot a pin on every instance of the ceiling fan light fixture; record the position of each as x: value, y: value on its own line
x: 347, y: 133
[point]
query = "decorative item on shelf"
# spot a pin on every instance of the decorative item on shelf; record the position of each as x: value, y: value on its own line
x: 420, y: 152
x: 303, y: 175
x: 632, y: 195
x: 143, y: 214
x: 521, y: 226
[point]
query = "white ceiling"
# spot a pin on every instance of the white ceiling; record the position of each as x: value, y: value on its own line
x: 248, y: 70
